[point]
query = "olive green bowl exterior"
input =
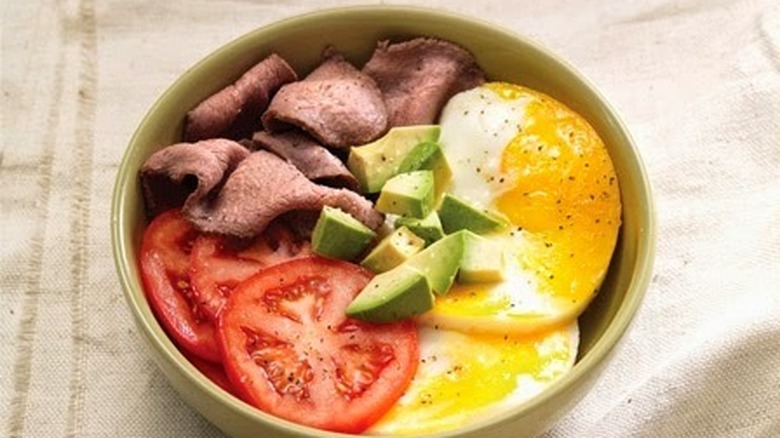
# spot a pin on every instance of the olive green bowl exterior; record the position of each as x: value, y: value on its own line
x: 505, y: 56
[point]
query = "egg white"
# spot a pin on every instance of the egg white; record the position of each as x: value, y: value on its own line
x: 518, y: 304
x: 476, y: 125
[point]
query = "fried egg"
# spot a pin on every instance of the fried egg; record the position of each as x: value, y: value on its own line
x: 465, y: 377
x: 529, y: 157
x: 487, y: 347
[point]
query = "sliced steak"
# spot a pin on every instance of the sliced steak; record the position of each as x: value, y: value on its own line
x: 418, y: 77
x: 246, y: 99
x: 264, y: 187
x: 311, y: 158
x: 336, y: 103
x: 185, y: 173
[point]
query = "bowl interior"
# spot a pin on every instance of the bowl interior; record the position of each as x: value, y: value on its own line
x: 355, y: 31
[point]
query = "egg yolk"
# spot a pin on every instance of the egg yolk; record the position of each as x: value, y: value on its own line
x: 565, y: 191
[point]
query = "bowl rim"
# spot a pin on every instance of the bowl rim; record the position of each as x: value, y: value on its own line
x: 598, y: 353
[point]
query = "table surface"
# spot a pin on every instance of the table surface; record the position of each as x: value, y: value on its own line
x: 697, y: 82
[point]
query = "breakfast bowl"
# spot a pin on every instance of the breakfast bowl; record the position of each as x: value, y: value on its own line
x: 504, y: 56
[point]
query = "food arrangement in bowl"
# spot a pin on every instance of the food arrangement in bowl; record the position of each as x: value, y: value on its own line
x: 398, y: 243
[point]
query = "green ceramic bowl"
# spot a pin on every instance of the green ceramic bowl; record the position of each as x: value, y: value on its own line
x: 505, y: 56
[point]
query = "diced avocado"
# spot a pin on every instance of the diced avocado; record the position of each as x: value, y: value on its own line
x: 429, y: 227
x: 397, y: 294
x: 440, y: 262
x: 458, y: 214
x: 483, y: 259
x: 374, y: 163
x: 393, y: 250
x: 428, y: 155
x: 339, y: 235
x: 408, y: 194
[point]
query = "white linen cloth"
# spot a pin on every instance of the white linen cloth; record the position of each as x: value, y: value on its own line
x: 696, y: 81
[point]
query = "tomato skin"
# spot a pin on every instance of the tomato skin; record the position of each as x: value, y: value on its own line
x: 164, y: 263
x: 213, y: 371
x: 291, y: 351
x: 219, y: 263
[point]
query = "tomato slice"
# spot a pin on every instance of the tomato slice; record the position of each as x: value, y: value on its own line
x: 291, y: 351
x: 165, y: 262
x: 219, y: 263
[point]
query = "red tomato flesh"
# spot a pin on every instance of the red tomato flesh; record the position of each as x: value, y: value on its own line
x: 220, y: 263
x: 165, y: 262
x: 291, y: 351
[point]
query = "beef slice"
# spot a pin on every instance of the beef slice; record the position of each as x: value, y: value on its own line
x: 418, y: 77
x: 311, y: 158
x: 336, y: 103
x: 263, y: 187
x: 240, y: 103
x: 182, y: 174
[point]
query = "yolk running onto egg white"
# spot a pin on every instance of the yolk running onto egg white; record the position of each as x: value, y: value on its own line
x: 455, y: 384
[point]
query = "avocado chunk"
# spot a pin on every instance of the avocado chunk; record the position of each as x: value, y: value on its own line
x: 374, y: 163
x: 440, y: 262
x: 428, y: 155
x: 397, y: 294
x: 407, y: 194
x: 393, y: 250
x: 338, y: 235
x: 483, y: 259
x: 429, y: 227
x: 458, y: 214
